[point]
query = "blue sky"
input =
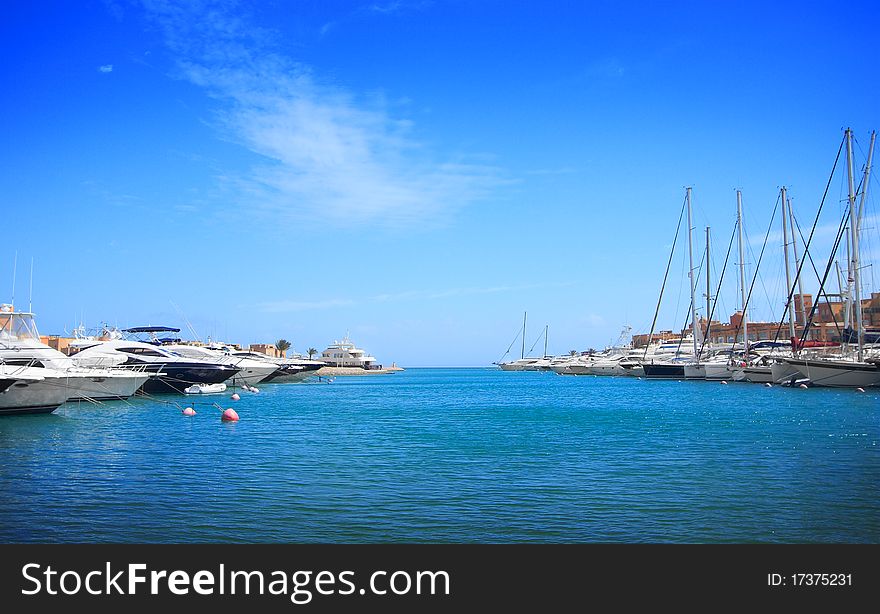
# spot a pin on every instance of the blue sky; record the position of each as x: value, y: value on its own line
x: 417, y: 173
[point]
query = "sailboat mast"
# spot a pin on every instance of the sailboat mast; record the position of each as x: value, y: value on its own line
x: 866, y: 178
x: 742, y: 270
x: 854, y: 243
x: 708, y: 287
x: 797, y: 264
x: 523, y: 353
x: 783, y: 195
x: 691, y: 272
x: 546, y: 328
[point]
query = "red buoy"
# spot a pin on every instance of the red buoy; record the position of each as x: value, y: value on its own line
x: 229, y: 416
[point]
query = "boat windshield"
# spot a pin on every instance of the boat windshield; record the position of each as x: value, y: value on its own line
x: 16, y: 327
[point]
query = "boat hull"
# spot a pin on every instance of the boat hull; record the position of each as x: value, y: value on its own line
x: 782, y: 372
x: 757, y: 375
x: 718, y: 371
x: 837, y: 373
x: 694, y: 372
x: 174, y: 378
x: 663, y: 371
x: 34, y: 397
x: 106, y: 386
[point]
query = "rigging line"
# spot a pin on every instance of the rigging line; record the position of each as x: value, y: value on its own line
x: 840, y: 233
x: 718, y: 290
x: 665, y: 276
x: 536, y: 341
x: 763, y: 286
x: 690, y: 306
x: 822, y: 292
x: 509, y: 347
x: 758, y: 266
x: 807, y: 247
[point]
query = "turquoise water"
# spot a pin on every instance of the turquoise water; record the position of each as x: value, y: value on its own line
x: 453, y: 455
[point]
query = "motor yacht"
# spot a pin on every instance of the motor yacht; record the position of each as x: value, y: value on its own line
x: 20, y: 345
x: 174, y: 372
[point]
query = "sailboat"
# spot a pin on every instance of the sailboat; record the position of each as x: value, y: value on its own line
x: 674, y: 368
x: 861, y: 370
x: 524, y: 363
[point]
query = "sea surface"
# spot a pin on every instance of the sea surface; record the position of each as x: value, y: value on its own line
x: 452, y: 455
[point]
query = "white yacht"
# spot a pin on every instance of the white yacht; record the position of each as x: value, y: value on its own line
x: 31, y: 390
x: 527, y: 364
x: 837, y: 372
x: 20, y: 345
x: 174, y: 373
x: 252, y: 370
x: 345, y: 354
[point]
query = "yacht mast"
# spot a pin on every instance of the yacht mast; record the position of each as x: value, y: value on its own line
x: 546, y: 327
x: 691, y: 274
x: 523, y: 353
x: 708, y: 287
x: 854, y: 242
x: 797, y: 265
x: 791, y: 333
x: 866, y: 178
x: 742, y: 271
x: 858, y: 223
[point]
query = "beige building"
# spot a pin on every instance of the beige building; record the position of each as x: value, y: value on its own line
x: 827, y: 324
x: 268, y: 349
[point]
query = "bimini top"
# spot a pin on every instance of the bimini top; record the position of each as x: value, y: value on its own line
x: 151, y: 329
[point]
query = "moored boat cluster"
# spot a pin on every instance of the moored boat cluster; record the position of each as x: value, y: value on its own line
x: 818, y: 350
x: 36, y: 378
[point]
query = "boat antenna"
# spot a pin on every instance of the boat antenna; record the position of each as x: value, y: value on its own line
x: 14, y: 269
x: 31, y: 289
x: 188, y: 325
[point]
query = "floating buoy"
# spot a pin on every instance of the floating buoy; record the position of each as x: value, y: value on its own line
x: 804, y: 386
x: 860, y: 389
x: 235, y: 396
x: 768, y: 385
x: 254, y: 389
x: 229, y: 416
x: 189, y: 411
x: 724, y: 382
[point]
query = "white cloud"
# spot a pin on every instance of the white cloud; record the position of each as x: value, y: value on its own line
x: 329, y: 155
x: 106, y: 68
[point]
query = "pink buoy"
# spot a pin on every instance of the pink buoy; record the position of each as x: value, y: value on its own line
x: 253, y: 389
x: 236, y: 396
x: 189, y: 411
x: 229, y: 416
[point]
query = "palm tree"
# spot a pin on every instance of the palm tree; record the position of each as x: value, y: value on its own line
x: 311, y: 352
x: 283, y: 345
